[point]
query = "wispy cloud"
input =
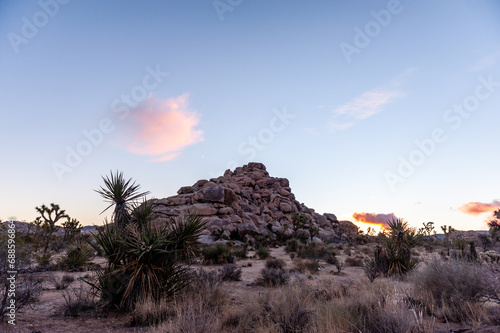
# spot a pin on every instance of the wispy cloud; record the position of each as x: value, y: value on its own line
x: 476, y: 208
x: 486, y: 62
x: 368, y: 103
x: 374, y: 218
x: 162, y: 128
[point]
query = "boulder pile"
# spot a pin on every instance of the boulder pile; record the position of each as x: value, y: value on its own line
x: 247, y: 204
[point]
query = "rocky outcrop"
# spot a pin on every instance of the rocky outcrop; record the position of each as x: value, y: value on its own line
x: 244, y: 204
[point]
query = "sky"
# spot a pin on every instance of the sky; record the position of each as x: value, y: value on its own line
x: 372, y: 109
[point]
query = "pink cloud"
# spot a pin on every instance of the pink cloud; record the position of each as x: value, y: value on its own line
x: 374, y: 218
x: 476, y: 208
x: 162, y: 128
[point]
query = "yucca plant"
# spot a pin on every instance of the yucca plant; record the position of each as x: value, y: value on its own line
x: 122, y: 194
x: 395, y: 258
x: 144, y: 260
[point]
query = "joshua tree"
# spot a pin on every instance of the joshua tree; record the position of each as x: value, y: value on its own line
x: 122, y: 194
x: 72, y: 227
x: 495, y: 226
x: 48, y: 224
x: 447, y: 231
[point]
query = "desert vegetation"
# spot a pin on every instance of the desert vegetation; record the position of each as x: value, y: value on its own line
x: 159, y: 277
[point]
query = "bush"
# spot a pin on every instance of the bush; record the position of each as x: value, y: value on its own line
x: 240, y: 252
x: 273, y: 277
x: 43, y: 260
x: 292, y: 245
x: 149, y: 312
x: 356, y: 261
x: 263, y: 252
x: 62, y: 282
x: 456, y: 289
x: 275, y: 263
x: 306, y: 265
x: 230, y: 273
x: 77, y: 256
x: 216, y: 254
x: 77, y: 300
x: 311, y: 251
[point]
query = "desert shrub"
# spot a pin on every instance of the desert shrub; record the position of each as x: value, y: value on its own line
x: 363, y: 309
x: 339, y: 265
x: 28, y: 290
x: 292, y: 245
x: 348, y: 251
x: 456, y: 289
x: 289, y: 310
x: 149, y: 312
x: 216, y: 254
x: 76, y: 301
x: 273, y: 277
x: 239, y: 252
x: 77, y: 256
x: 230, y: 272
x: 263, y: 252
x: 62, y: 282
x: 306, y: 265
x: 371, y: 269
x: 198, y: 308
x: 43, y: 260
x: 356, y: 261
x: 275, y: 263
x: 312, y: 251
x: 331, y: 259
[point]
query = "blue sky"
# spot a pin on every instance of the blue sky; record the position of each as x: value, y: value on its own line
x: 331, y: 95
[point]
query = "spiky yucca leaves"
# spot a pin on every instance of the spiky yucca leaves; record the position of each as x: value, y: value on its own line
x: 145, y: 261
x: 184, y: 231
x: 402, y: 238
x: 121, y: 193
x: 395, y: 258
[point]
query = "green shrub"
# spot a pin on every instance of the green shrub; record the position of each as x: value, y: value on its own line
x: 216, y: 254
x: 77, y: 256
x: 292, y: 245
x: 263, y: 252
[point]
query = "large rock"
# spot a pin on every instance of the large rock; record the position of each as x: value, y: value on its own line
x: 250, y: 201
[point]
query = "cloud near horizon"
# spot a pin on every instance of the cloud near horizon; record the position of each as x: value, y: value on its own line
x: 374, y: 218
x: 162, y: 128
x: 476, y: 208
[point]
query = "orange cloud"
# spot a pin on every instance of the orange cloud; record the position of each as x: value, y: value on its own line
x: 162, y: 128
x: 372, y: 218
x: 476, y: 208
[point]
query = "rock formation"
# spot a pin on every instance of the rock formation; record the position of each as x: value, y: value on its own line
x: 245, y: 204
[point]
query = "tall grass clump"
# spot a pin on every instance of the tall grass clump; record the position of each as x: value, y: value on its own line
x: 456, y: 291
x: 143, y: 260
